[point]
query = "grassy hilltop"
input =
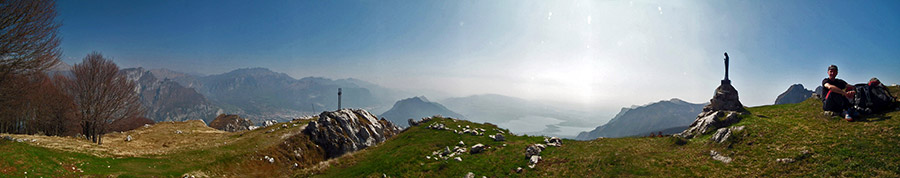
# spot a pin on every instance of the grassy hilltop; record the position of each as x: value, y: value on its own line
x: 821, y: 146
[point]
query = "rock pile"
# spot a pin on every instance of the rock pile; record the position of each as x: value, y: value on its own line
x: 230, y: 123
x: 447, y: 153
x: 533, y: 154
x: 347, y: 130
x: 415, y: 123
x: 723, y: 110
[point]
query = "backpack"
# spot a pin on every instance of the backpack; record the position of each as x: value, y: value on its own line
x: 872, y: 97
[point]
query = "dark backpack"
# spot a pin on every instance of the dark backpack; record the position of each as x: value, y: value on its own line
x: 872, y: 98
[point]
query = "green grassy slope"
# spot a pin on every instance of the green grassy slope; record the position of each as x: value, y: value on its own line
x: 822, y: 146
x: 240, y: 156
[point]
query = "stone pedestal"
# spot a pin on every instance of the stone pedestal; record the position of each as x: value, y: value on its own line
x: 723, y: 110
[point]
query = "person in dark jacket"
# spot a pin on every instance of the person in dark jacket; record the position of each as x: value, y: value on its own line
x: 838, y: 94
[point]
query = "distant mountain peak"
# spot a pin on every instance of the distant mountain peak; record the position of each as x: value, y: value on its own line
x: 415, y: 108
x: 794, y: 94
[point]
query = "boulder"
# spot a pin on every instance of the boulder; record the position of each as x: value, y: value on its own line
x: 723, y: 134
x: 533, y: 161
x: 230, y: 123
x: 553, y: 141
x: 719, y: 157
x: 470, y: 175
x: 534, y: 149
x: 709, y: 122
x: 347, y: 130
x: 478, y: 148
x: 412, y: 122
x: 270, y: 122
x: 499, y: 137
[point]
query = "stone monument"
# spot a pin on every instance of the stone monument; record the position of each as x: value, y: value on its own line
x: 723, y: 110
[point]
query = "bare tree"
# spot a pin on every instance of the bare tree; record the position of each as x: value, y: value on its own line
x: 28, y: 45
x: 28, y: 41
x: 101, y: 95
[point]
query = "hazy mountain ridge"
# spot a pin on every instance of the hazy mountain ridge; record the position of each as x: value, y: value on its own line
x: 653, y: 117
x: 167, y: 100
x: 261, y: 94
x: 416, y: 108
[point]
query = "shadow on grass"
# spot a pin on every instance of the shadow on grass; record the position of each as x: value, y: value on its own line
x: 874, y: 118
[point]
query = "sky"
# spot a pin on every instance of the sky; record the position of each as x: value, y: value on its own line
x: 591, y: 55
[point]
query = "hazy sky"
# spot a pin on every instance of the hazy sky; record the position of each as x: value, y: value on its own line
x: 589, y: 54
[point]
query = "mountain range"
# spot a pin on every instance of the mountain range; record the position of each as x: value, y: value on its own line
x: 666, y: 115
x: 255, y: 93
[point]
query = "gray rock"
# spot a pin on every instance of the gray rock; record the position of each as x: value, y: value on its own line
x: 518, y: 169
x: 533, y: 161
x: 710, y: 121
x: 457, y: 159
x: 499, y: 137
x: 719, y: 157
x: 534, y: 149
x: 270, y: 122
x: 470, y: 175
x: 478, y: 148
x: 553, y: 141
x: 128, y: 138
x: 178, y: 132
x: 412, y: 122
x: 723, y: 134
x: 347, y: 130
x: 461, y: 143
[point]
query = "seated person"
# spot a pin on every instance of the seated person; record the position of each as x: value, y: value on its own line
x: 838, y: 94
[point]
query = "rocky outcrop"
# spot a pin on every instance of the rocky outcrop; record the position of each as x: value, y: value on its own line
x: 230, y: 123
x: 723, y: 110
x: 347, y: 130
x: 794, y: 94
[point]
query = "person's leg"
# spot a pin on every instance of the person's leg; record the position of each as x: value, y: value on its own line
x: 833, y: 103
x: 845, y: 105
